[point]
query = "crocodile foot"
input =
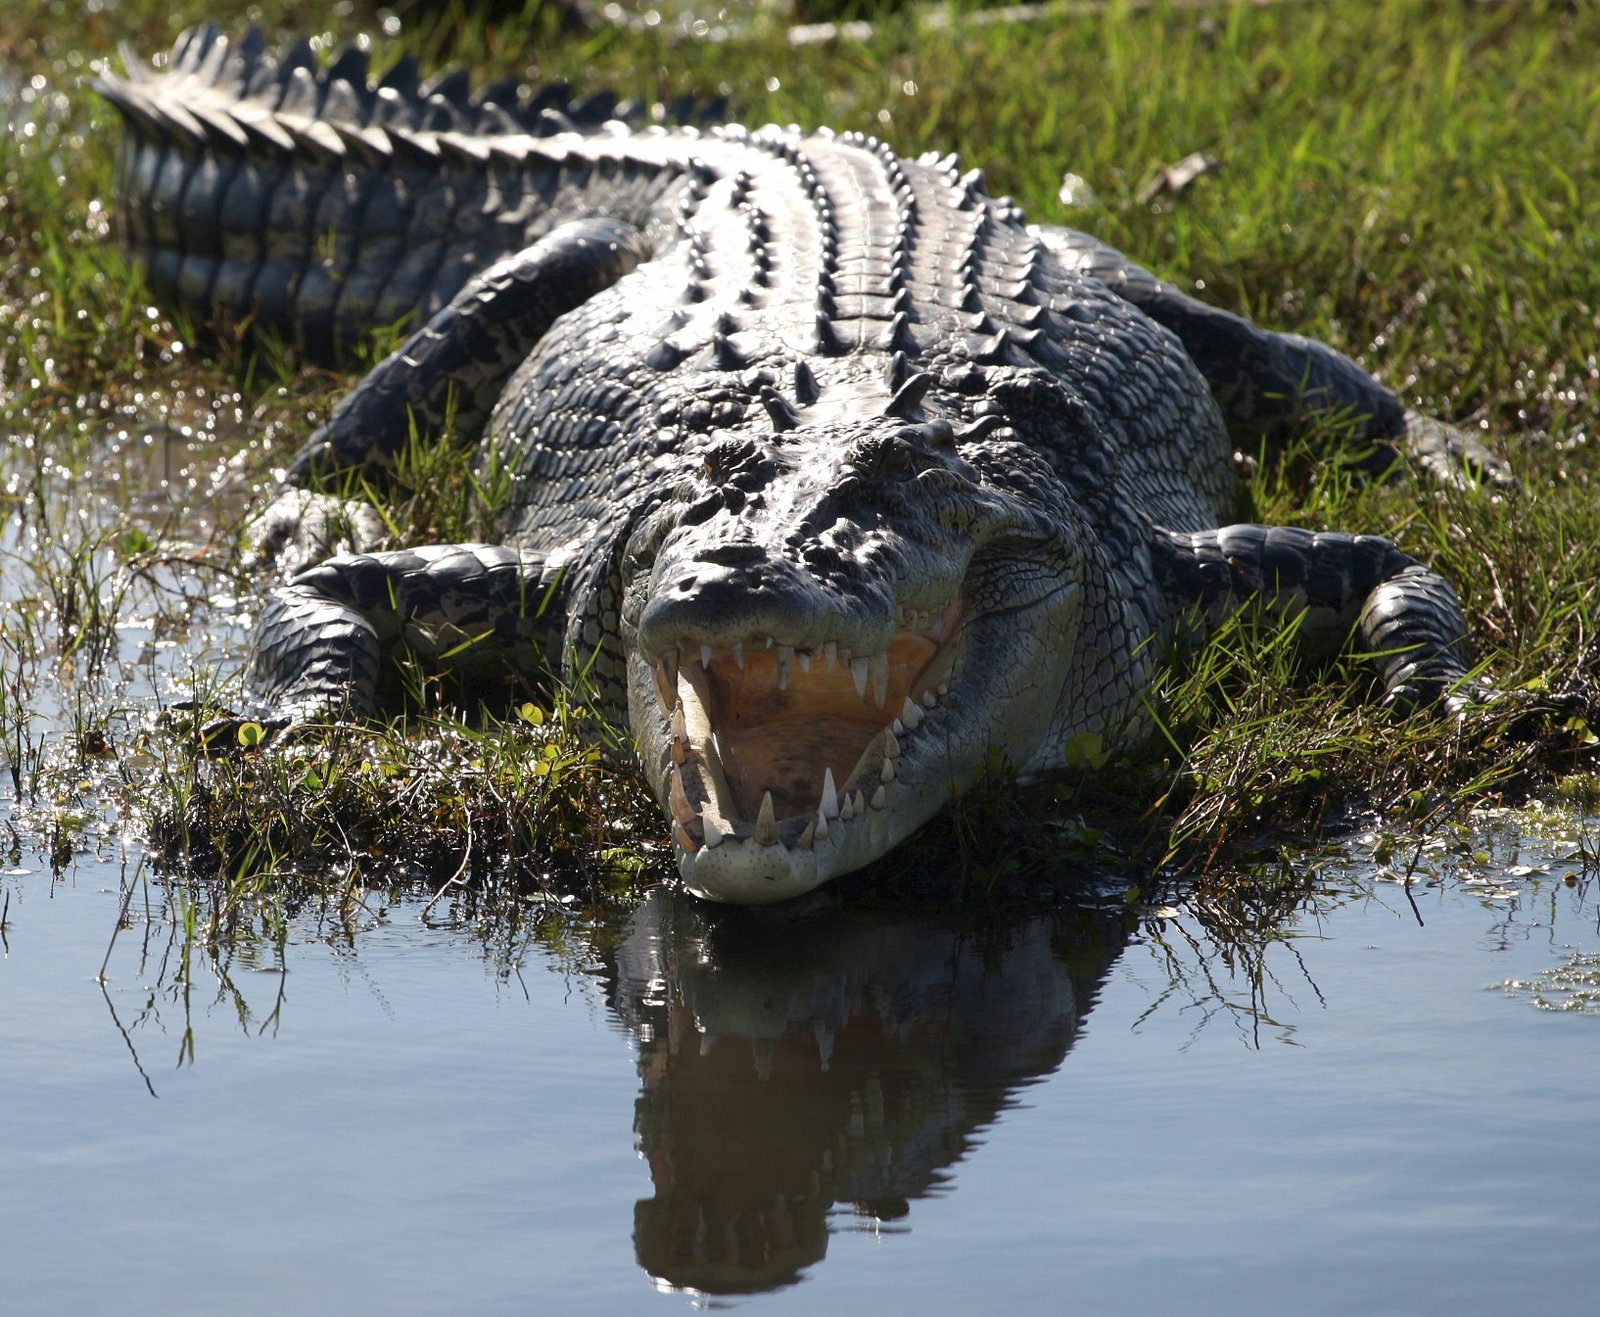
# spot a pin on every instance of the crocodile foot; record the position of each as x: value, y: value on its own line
x: 1453, y: 457
x: 301, y: 528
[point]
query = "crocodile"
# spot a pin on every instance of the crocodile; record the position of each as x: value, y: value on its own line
x: 832, y: 477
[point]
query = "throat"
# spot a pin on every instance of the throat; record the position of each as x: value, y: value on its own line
x: 788, y: 756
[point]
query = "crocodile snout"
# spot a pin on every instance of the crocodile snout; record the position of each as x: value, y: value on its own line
x: 729, y: 593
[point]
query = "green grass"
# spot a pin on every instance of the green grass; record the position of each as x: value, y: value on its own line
x: 1415, y: 183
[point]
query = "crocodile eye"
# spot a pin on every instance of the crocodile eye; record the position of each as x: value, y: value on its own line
x: 885, y: 458
x: 724, y: 459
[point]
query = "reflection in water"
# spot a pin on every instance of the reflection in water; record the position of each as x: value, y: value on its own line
x: 798, y: 1065
x: 792, y: 1061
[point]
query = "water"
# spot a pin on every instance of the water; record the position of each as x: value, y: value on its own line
x: 1095, y: 1106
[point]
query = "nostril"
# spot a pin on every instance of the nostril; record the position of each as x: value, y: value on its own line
x: 686, y: 584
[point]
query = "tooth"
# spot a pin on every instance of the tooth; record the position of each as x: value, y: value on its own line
x: 822, y: 827
x: 713, y: 832
x: 738, y: 656
x: 678, y: 800
x: 824, y: 1041
x: 910, y: 715
x: 830, y: 795
x: 929, y: 699
x: 785, y: 658
x: 830, y: 651
x: 767, y: 823
x: 897, y: 727
x: 879, y: 665
x: 679, y: 745
x: 858, y: 674
x: 705, y: 656
x: 767, y: 644
x: 861, y: 802
x: 680, y: 834
x: 781, y: 1217
x: 891, y: 745
x: 944, y: 688
x: 848, y: 809
x: 880, y: 796
x: 805, y: 660
x: 804, y: 841
x: 886, y: 773
x: 666, y: 692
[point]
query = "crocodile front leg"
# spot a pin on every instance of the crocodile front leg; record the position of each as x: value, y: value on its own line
x: 440, y: 385
x: 443, y: 381
x: 486, y: 617
x: 1402, y: 613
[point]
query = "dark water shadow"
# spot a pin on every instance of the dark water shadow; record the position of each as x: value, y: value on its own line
x: 801, y: 1065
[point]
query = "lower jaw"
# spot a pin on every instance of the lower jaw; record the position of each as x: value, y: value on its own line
x: 744, y: 872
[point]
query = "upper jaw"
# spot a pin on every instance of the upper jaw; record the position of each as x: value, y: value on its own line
x: 782, y: 765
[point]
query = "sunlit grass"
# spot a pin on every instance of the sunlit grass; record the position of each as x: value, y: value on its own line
x: 532, y: 803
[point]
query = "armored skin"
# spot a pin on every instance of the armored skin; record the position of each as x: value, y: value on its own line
x: 830, y: 474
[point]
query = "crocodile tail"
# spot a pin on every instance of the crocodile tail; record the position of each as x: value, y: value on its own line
x: 275, y: 192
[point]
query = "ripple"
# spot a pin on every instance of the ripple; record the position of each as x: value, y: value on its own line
x: 1572, y: 987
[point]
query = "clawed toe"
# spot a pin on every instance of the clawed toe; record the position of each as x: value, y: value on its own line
x: 301, y: 528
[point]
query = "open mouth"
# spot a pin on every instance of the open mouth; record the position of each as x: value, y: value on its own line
x: 777, y: 744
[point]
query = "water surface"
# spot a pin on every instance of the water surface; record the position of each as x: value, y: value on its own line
x: 1092, y: 1105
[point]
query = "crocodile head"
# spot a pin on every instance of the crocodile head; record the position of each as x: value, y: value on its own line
x: 828, y: 632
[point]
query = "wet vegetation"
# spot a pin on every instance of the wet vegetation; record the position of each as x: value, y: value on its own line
x: 1415, y: 185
